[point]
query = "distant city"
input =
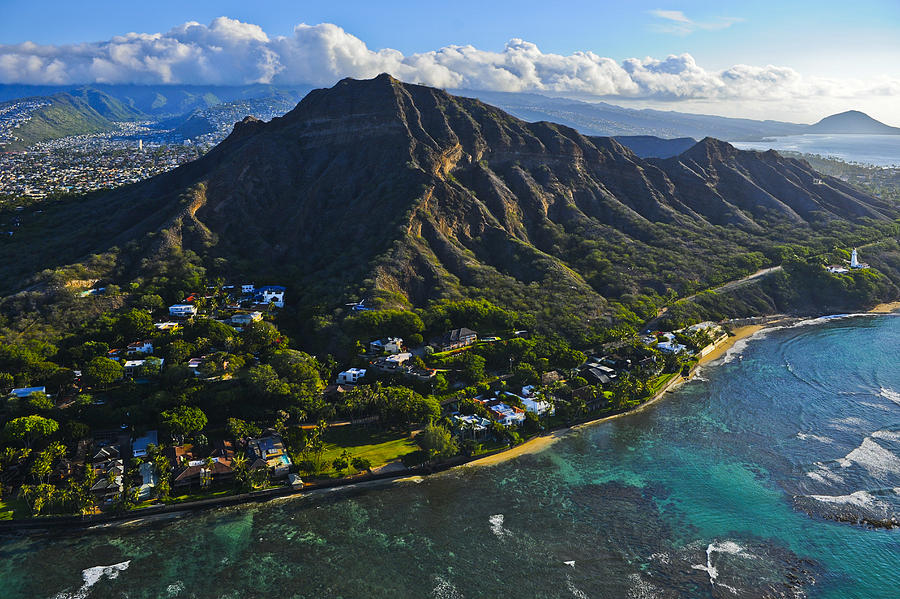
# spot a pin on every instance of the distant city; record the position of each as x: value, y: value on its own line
x: 133, y: 151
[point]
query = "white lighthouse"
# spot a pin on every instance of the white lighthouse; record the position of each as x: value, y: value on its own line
x: 854, y: 260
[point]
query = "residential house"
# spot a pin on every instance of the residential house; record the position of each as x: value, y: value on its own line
x: 140, y: 347
x: 246, y: 318
x: 390, y: 345
x: 456, y: 339
x: 149, y: 479
x: 24, y: 392
x: 594, y: 375
x: 392, y: 363
x: 248, y: 288
x: 182, y: 310
x: 270, y: 294
x: 501, y: 412
x: 269, y: 452
x: 351, y: 376
x: 166, y: 326
x: 140, y: 445
x: 109, y: 469
x: 537, y: 407
x: 471, y: 426
x: 132, y: 368
x: 669, y: 345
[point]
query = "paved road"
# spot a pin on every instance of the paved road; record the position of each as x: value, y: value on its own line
x: 764, y: 272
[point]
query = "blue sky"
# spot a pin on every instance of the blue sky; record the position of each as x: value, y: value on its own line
x: 824, y: 39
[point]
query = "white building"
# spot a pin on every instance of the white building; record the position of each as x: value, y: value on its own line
x: 141, y: 347
x: 271, y: 294
x: 392, y: 363
x: 351, y: 376
x: 854, y: 261
x: 248, y: 288
x: 391, y: 345
x: 182, y: 310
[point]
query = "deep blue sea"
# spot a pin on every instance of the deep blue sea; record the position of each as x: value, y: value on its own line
x: 727, y: 487
x: 878, y: 150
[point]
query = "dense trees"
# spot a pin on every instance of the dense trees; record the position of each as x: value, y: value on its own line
x: 102, y: 371
x: 184, y: 421
x: 29, y: 429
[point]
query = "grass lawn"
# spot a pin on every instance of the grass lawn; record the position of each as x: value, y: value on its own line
x: 660, y: 382
x: 379, y: 447
x: 199, y: 496
x: 14, y: 509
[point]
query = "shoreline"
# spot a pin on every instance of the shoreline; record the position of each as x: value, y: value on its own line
x: 542, y: 442
x: 534, y: 445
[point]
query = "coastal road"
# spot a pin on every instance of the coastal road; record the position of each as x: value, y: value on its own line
x: 729, y: 286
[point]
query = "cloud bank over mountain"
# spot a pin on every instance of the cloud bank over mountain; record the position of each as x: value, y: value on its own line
x: 231, y: 52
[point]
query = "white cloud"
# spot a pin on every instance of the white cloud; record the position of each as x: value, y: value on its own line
x: 228, y: 51
x: 675, y: 21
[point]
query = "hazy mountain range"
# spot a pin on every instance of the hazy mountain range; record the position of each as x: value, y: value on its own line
x: 194, y: 110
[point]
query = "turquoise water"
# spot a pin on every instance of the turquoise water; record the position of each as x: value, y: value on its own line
x: 879, y: 150
x: 727, y: 488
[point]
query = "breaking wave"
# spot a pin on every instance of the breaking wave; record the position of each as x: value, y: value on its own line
x: 92, y: 576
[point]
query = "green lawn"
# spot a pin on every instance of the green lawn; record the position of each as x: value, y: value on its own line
x: 199, y: 496
x: 660, y: 382
x: 14, y: 509
x: 378, y: 447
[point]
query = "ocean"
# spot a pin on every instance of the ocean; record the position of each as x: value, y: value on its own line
x: 747, y: 481
x: 878, y: 150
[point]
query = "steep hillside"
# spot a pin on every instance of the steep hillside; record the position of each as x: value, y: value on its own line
x: 76, y: 113
x: 382, y: 189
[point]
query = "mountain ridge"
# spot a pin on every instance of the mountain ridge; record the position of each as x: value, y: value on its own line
x: 381, y: 189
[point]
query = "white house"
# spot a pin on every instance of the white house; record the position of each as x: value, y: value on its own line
x: 182, y: 310
x: 132, y: 367
x: 351, y: 376
x: 248, y: 288
x: 392, y: 363
x: 538, y: 407
x: 270, y: 294
x: 141, y: 347
x: 391, y: 345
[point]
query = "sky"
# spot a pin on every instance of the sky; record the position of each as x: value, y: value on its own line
x: 794, y: 60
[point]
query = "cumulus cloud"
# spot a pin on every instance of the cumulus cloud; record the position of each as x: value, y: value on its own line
x: 228, y: 51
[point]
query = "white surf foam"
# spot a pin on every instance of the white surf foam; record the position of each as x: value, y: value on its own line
x: 92, y: 576
x: 877, y: 460
x: 724, y: 547
x: 445, y: 590
x: 496, y: 522
x: 813, y: 437
x: 890, y: 394
x: 861, y: 499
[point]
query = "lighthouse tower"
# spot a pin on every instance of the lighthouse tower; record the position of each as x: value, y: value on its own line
x: 854, y: 259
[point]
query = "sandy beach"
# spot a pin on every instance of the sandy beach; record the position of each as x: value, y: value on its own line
x: 542, y: 442
x: 886, y: 308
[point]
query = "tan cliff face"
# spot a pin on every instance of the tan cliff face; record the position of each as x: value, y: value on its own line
x: 379, y: 184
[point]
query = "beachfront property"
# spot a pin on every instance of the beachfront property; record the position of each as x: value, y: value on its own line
x: 268, y: 452
x: 471, y: 426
